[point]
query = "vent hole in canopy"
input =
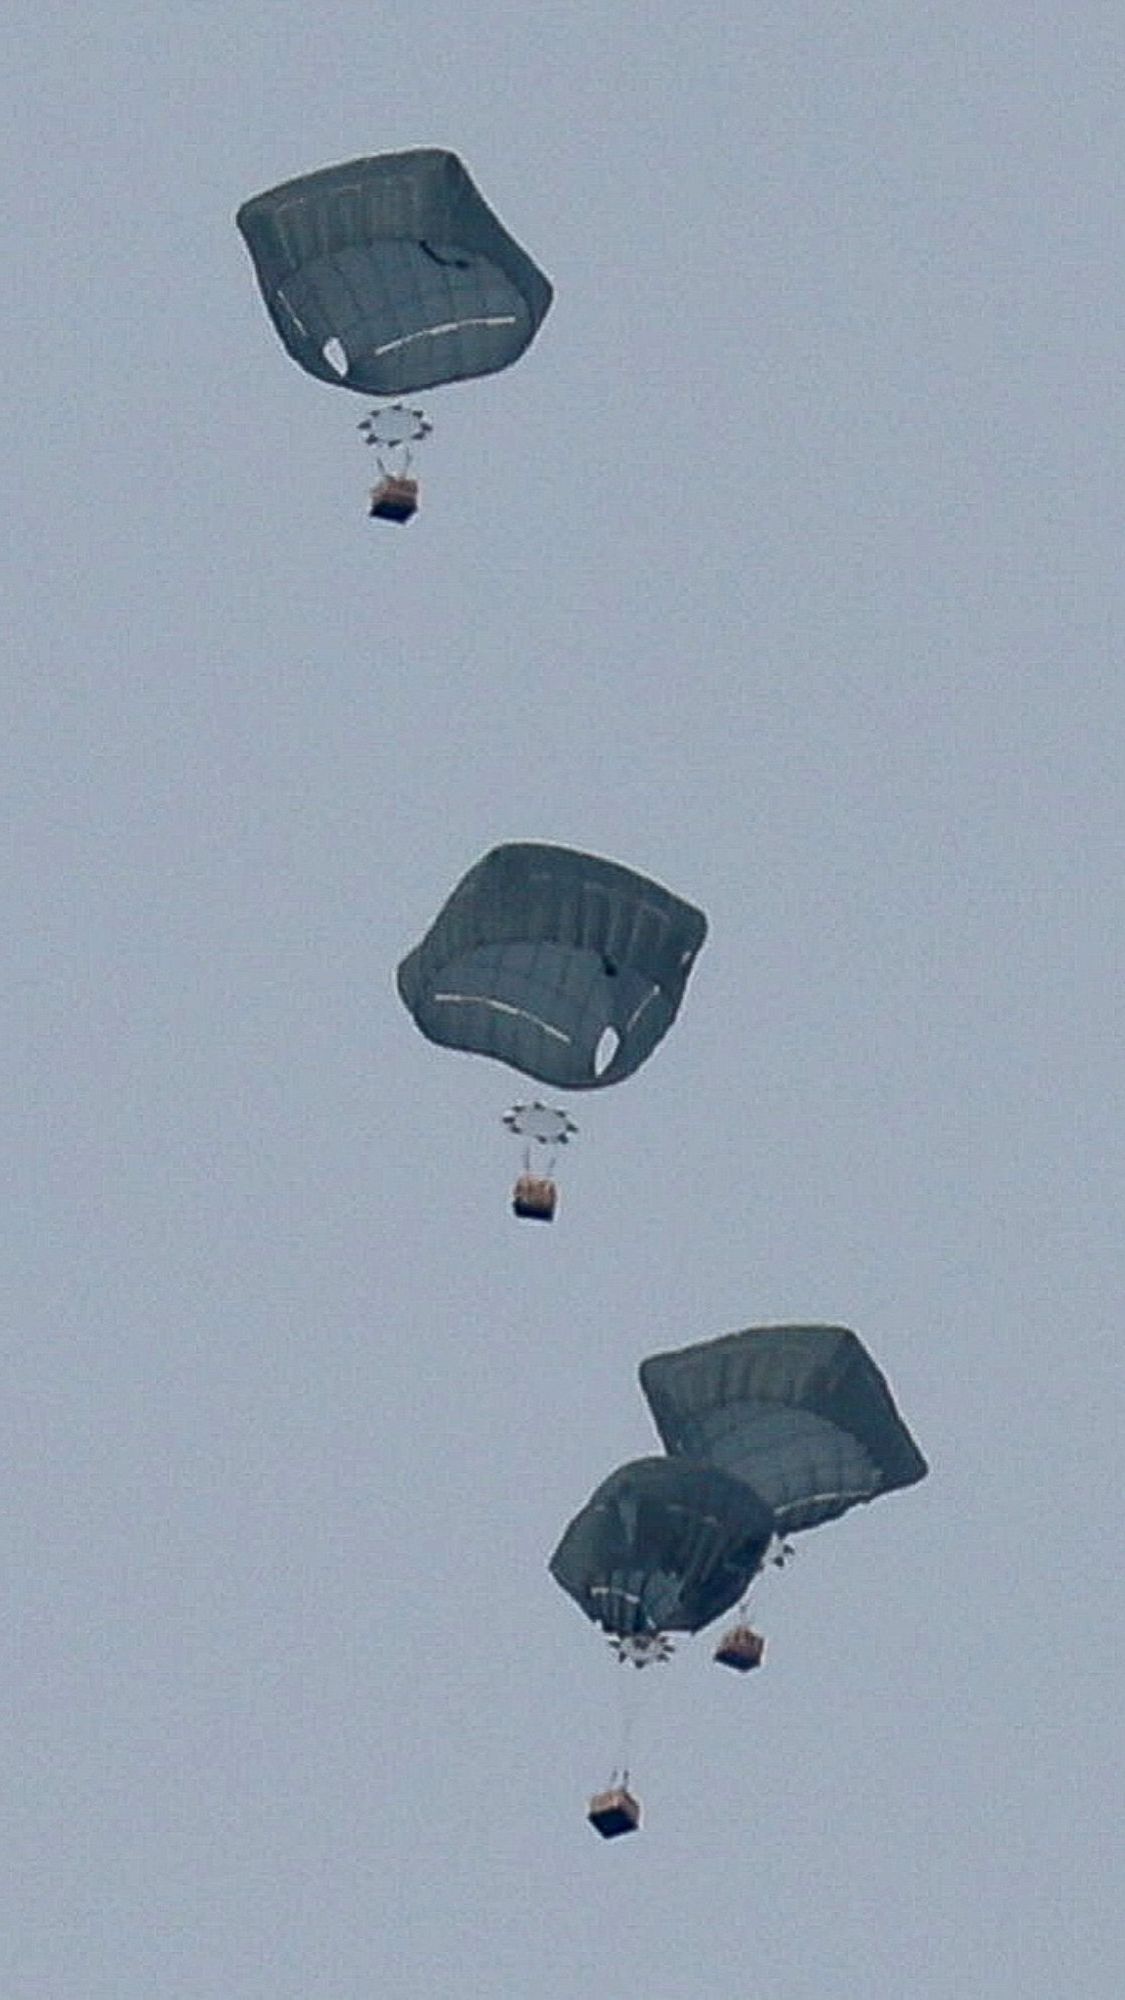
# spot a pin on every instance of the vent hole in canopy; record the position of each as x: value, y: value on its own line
x: 608, y: 1044
x: 336, y: 355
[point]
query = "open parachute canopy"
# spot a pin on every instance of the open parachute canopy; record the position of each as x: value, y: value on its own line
x: 390, y: 274
x: 567, y: 967
x: 801, y: 1412
x: 663, y: 1545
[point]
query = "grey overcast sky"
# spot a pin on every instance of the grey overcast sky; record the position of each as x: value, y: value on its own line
x: 786, y: 566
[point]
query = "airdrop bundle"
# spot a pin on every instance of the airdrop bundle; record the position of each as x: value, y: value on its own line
x: 767, y: 1432
x: 388, y: 275
x: 567, y: 967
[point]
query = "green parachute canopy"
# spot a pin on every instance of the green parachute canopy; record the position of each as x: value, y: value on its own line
x: 663, y: 1545
x: 392, y: 274
x: 565, y: 966
x: 802, y: 1412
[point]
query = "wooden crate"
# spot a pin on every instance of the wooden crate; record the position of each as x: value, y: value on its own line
x: 394, y: 499
x: 741, y: 1649
x: 614, y: 1812
x: 534, y: 1199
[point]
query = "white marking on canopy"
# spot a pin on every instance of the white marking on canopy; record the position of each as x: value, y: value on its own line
x: 448, y: 326
x: 500, y: 1007
x: 814, y: 1499
x: 635, y: 1016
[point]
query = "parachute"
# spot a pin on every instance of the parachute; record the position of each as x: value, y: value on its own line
x: 663, y: 1545
x: 566, y: 967
x: 391, y: 274
x: 802, y: 1412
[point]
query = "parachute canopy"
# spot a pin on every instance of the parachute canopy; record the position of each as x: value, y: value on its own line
x: 802, y: 1412
x: 663, y: 1545
x: 392, y: 274
x: 565, y: 966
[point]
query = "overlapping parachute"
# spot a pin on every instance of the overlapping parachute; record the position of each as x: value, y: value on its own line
x: 801, y: 1412
x: 767, y: 1431
x: 663, y: 1545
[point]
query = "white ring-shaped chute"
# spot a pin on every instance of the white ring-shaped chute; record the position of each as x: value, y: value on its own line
x: 545, y: 1124
x: 643, y: 1649
x: 395, y: 425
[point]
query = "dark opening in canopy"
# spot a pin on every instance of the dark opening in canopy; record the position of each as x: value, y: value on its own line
x: 391, y: 274
x: 547, y: 959
x: 802, y: 1412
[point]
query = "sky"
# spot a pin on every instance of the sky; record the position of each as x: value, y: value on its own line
x: 785, y: 567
